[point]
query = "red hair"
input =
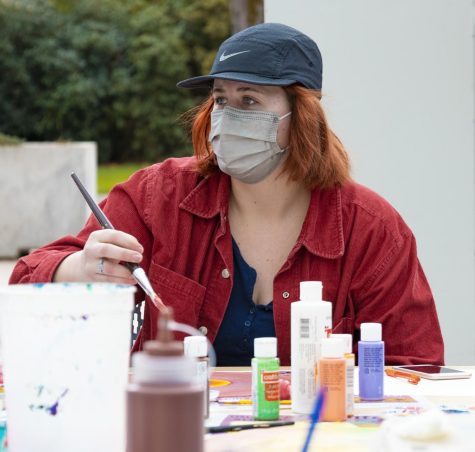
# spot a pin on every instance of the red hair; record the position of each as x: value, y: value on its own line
x: 316, y: 156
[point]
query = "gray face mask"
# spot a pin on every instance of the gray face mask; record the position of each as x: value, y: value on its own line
x: 245, y: 143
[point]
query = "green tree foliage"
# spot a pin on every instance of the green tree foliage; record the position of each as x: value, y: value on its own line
x: 105, y: 71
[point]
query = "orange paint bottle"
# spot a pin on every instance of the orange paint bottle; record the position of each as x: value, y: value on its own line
x: 332, y: 376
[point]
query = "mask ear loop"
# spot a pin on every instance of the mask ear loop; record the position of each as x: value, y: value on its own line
x: 285, y: 116
x: 183, y: 328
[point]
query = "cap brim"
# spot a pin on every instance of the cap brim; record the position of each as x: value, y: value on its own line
x: 205, y: 81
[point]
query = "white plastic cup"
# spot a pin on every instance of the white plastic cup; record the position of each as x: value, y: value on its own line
x: 65, y: 362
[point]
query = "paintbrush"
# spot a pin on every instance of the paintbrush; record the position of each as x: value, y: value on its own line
x: 138, y: 272
x: 314, y: 417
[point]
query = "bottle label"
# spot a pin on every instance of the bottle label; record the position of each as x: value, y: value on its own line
x: 350, y: 371
x: 201, y: 379
x: 202, y: 373
x: 270, y: 380
x: 308, y: 328
x: 373, y: 360
x: 265, y: 388
x: 333, y: 379
x: 371, y: 370
x: 304, y: 330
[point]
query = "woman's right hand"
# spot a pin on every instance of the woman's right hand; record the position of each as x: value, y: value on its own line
x: 100, y: 259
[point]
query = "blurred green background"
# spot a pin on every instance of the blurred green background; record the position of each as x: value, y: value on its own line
x: 106, y: 71
x: 110, y: 174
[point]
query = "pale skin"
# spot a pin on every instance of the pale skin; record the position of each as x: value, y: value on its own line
x: 265, y: 218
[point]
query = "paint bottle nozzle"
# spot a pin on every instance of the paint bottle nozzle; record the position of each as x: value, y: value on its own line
x: 164, y: 345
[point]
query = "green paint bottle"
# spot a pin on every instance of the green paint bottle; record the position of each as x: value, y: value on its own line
x: 265, y: 379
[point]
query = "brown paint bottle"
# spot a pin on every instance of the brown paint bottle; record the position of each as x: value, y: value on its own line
x: 164, y: 404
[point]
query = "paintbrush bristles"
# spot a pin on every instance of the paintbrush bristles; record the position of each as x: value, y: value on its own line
x: 157, y: 301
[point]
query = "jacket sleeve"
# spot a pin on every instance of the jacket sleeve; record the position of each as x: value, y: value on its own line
x: 124, y: 207
x: 397, y: 294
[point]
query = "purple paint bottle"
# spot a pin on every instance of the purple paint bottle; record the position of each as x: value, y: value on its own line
x: 371, y: 362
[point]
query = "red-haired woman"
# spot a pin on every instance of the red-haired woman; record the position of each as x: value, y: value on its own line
x: 266, y: 202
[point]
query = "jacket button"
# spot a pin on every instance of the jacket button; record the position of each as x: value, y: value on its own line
x: 225, y: 273
x: 286, y: 295
x: 203, y: 330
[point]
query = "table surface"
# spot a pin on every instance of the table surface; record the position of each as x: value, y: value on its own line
x: 376, y: 426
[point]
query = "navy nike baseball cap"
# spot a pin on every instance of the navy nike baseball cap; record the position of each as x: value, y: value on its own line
x: 265, y: 54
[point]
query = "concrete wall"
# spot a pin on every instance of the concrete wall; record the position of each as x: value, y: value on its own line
x: 39, y: 201
x: 398, y: 83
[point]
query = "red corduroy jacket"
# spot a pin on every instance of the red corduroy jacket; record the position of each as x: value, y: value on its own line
x: 351, y: 239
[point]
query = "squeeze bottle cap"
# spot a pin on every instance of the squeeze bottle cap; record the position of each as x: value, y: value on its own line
x: 196, y: 346
x: 265, y: 347
x: 371, y: 332
x: 333, y: 347
x: 347, y: 339
x: 166, y: 369
x: 311, y: 290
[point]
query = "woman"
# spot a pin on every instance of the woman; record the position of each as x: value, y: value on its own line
x: 266, y: 202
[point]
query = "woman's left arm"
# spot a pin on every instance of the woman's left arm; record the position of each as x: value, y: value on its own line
x: 397, y: 294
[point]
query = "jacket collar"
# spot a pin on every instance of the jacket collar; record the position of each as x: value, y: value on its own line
x: 209, y: 197
x: 322, y: 230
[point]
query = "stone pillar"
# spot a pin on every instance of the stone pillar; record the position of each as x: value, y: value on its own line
x: 39, y: 201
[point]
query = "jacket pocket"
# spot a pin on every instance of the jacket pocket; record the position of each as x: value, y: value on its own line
x: 182, y: 294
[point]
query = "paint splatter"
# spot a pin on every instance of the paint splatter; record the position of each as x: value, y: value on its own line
x: 451, y: 410
x: 51, y: 409
x: 366, y: 421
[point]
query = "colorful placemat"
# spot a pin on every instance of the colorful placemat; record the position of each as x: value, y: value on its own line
x: 236, y: 383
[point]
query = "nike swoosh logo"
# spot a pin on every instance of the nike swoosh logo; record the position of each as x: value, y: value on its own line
x: 224, y: 57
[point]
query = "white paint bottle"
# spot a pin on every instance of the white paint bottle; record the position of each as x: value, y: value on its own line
x: 310, y: 322
x: 196, y: 347
x: 350, y: 372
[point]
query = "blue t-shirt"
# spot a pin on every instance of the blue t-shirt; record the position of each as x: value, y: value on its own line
x: 243, y: 320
